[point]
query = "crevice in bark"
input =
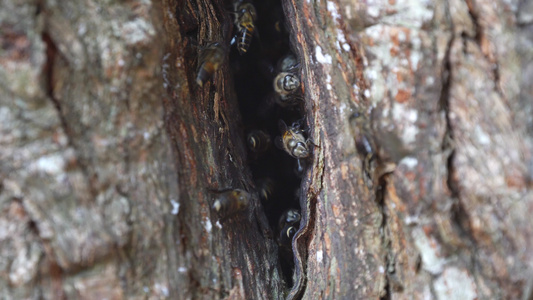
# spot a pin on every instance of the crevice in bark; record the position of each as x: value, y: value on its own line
x: 300, y: 248
x: 480, y: 40
x: 48, y: 71
x: 385, y: 242
x: 447, y: 143
x: 52, y: 56
x: 254, y: 74
x: 458, y: 212
x: 250, y: 75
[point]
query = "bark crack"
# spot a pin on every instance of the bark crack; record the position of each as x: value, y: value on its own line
x: 446, y: 75
x: 482, y: 42
x: 385, y: 240
x: 459, y: 214
x: 52, y: 55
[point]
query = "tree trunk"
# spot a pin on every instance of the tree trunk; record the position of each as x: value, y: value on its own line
x: 419, y: 183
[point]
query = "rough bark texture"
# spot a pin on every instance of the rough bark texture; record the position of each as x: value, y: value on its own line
x: 87, y: 189
x: 111, y: 156
x: 449, y: 87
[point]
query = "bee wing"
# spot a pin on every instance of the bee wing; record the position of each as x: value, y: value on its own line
x: 282, y: 126
x: 279, y: 143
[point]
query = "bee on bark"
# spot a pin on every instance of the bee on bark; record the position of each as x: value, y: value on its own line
x: 293, y: 142
x: 211, y: 57
x: 258, y: 141
x: 288, y: 225
x: 245, y: 16
x: 231, y: 202
x: 287, y: 82
x: 363, y: 143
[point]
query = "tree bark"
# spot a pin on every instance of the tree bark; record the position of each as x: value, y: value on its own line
x: 112, y: 156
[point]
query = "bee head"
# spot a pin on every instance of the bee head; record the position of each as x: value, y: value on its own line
x: 300, y: 150
x: 293, y: 216
x: 286, y: 83
x: 291, y: 82
x: 248, y: 8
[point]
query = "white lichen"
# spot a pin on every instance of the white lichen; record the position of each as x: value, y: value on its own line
x: 320, y: 57
x: 319, y: 256
x: 401, y: 113
x: 208, y: 225
x: 409, y: 162
x: 481, y: 136
x: 50, y: 164
x: 428, y: 248
x: 455, y: 283
x: 373, y: 11
x: 137, y: 30
x: 175, y: 207
x: 328, y: 82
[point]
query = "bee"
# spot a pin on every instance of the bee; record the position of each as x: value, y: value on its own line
x: 288, y: 225
x: 231, y: 202
x: 245, y: 16
x: 293, y: 142
x: 287, y: 83
x: 286, y: 86
x: 289, y: 217
x: 286, y: 234
x: 258, y: 141
x: 289, y: 63
x: 211, y: 57
x: 265, y: 188
x: 363, y: 143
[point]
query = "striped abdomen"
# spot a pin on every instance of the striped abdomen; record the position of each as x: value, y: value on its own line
x: 245, y: 37
x: 210, y: 60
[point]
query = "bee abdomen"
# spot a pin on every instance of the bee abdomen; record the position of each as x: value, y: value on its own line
x: 211, y: 57
x: 245, y: 39
x: 204, y: 73
x: 258, y: 141
x: 231, y: 202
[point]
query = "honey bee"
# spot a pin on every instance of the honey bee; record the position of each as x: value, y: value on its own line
x: 211, y: 57
x: 286, y: 234
x: 258, y: 141
x: 245, y: 16
x: 288, y: 225
x: 289, y: 63
x: 289, y: 217
x: 286, y: 85
x: 293, y: 142
x: 363, y: 143
x: 231, y: 202
x: 265, y: 188
x: 287, y: 82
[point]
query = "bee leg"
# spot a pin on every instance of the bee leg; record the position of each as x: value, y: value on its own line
x: 300, y: 168
x: 309, y: 141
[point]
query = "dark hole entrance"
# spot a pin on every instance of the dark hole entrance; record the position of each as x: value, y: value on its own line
x: 254, y: 74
